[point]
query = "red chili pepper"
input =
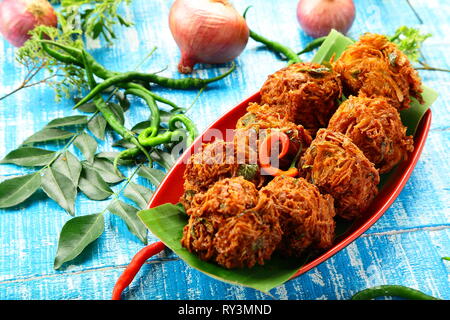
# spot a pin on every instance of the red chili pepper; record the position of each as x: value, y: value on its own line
x: 291, y: 172
x: 264, y: 154
x: 133, y: 268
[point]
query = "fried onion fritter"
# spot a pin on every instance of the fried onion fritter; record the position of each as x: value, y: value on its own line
x: 247, y: 239
x: 376, y: 128
x: 232, y: 225
x: 306, y: 216
x: 375, y: 67
x: 252, y: 128
x: 216, y: 161
x: 338, y: 167
x: 305, y: 93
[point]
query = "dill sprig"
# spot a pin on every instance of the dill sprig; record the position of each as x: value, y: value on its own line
x: 64, y: 78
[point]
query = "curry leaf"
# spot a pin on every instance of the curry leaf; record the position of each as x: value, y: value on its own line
x: 98, y: 126
x: 49, y: 134
x: 76, y: 235
x: 60, y: 188
x: 29, y: 157
x: 123, y: 143
x: 139, y: 194
x: 68, y: 165
x: 155, y: 176
x: 165, y: 159
x: 87, y: 107
x: 106, y: 170
x: 87, y: 145
x: 17, y: 190
x: 67, y: 121
x: 129, y: 215
x: 93, y: 185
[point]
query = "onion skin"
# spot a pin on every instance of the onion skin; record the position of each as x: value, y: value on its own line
x: 18, y: 17
x: 207, y: 31
x: 318, y: 17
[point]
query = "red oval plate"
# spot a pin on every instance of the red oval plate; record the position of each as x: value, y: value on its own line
x: 171, y: 188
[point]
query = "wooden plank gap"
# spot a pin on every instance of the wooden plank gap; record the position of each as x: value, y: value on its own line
x: 395, y: 232
x: 415, y: 11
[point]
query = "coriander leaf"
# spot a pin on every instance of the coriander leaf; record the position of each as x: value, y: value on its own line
x: 17, y: 190
x: 409, y: 40
x: 60, y: 188
x: 87, y: 145
x: 29, y: 157
x: 76, y: 235
x: 248, y: 171
x: 129, y: 215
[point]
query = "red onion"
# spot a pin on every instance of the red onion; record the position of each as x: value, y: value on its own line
x: 18, y: 17
x: 207, y: 31
x: 318, y: 17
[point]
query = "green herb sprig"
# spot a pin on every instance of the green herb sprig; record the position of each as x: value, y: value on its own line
x: 95, y: 18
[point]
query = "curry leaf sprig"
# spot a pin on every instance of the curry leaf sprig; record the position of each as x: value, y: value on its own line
x: 62, y: 176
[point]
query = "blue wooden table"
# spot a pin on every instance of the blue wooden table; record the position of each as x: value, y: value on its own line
x: 404, y: 247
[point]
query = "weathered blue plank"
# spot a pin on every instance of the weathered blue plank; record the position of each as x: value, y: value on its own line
x: 404, y: 247
x: 390, y: 258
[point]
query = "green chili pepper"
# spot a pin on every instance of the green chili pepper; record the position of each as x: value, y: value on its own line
x: 154, y: 95
x: 312, y: 45
x: 110, y: 116
x: 189, y: 125
x: 60, y: 56
x: 155, y: 118
x: 97, y: 68
x: 392, y: 291
x: 184, y: 83
x: 290, y: 55
x: 166, y: 137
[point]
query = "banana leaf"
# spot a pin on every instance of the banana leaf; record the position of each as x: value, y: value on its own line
x: 167, y: 221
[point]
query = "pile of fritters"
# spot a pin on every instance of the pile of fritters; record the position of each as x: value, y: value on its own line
x: 238, y: 217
